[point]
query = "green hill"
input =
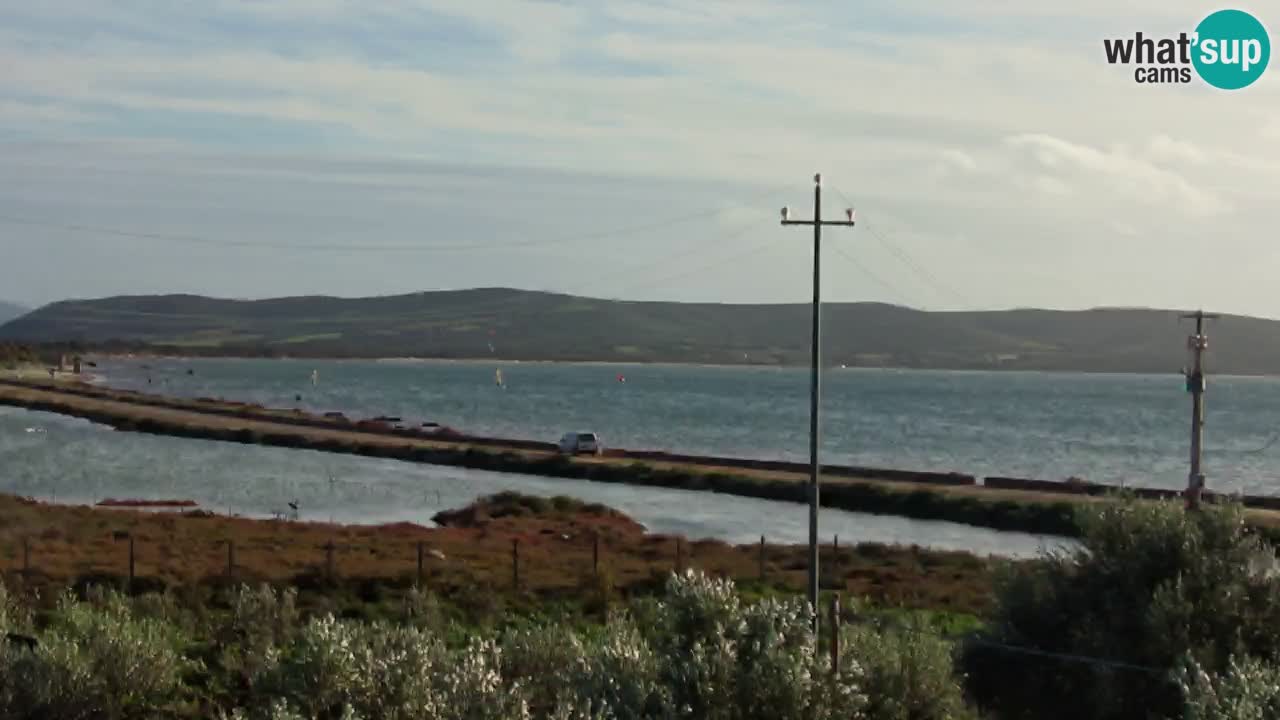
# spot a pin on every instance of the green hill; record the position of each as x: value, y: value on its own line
x: 543, y: 326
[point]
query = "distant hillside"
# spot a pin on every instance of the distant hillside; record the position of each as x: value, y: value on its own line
x: 514, y: 324
x: 9, y: 311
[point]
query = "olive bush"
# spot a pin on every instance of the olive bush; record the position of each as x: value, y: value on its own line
x: 1149, y: 585
x: 261, y: 620
x: 94, y: 662
x: 907, y: 672
x: 337, y: 669
x: 719, y: 659
x: 1248, y: 690
x: 696, y: 651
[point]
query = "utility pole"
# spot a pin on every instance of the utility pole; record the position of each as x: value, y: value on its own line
x: 815, y: 383
x: 1197, y: 344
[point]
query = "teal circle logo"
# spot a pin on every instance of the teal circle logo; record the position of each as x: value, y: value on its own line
x: 1231, y: 49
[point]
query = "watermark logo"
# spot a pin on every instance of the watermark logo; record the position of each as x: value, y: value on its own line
x: 1229, y: 50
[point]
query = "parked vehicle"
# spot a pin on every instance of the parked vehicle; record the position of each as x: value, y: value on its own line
x: 579, y: 443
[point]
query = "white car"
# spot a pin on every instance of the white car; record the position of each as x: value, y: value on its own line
x: 576, y: 443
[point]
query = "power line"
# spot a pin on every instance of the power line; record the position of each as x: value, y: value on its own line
x: 348, y: 247
x: 870, y: 275
x: 671, y: 259
x: 745, y: 252
x: 1022, y: 649
x: 1254, y: 451
x: 907, y: 260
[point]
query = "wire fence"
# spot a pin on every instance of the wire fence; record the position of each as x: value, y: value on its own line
x: 137, y: 558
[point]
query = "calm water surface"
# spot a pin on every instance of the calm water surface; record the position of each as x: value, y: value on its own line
x: 1108, y: 428
x: 53, y: 457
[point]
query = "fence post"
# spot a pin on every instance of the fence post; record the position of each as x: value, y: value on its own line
x: 834, y: 624
x: 515, y: 564
x: 679, y: 556
x: 419, y: 564
x: 762, y: 558
x: 131, y: 565
x: 595, y: 554
x: 26, y: 556
x: 328, y: 560
x: 231, y: 558
x: 835, y: 559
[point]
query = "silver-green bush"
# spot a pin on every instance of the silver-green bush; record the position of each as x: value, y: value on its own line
x: 1248, y: 690
x: 907, y: 672
x: 93, y: 663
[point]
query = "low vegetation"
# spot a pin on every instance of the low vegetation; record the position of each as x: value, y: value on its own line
x: 13, y: 356
x: 696, y: 650
x: 573, y: 554
x: 1158, y: 613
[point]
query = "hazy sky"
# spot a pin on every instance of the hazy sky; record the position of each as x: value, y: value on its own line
x: 625, y: 148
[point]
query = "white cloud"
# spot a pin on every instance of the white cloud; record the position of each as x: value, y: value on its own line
x: 1165, y: 148
x: 991, y: 119
x: 1120, y: 170
x: 960, y: 159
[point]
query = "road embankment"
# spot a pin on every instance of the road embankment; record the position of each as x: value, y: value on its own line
x: 1007, y: 504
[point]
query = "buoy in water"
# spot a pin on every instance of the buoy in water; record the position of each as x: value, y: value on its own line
x: 621, y: 379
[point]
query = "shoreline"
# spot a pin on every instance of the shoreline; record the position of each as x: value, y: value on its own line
x: 1037, y: 507
x: 408, y: 360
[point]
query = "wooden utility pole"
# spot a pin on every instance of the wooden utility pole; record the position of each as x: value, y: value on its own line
x: 1197, y: 344
x: 815, y: 383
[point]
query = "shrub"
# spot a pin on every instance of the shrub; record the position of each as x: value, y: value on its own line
x: 546, y: 661
x: 1149, y: 585
x: 621, y: 675
x: 1248, y: 690
x: 718, y: 659
x: 261, y: 619
x: 907, y: 672
x: 334, y: 668
x: 472, y: 688
x: 93, y: 663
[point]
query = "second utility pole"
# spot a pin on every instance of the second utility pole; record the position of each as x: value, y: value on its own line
x: 815, y: 383
x: 1197, y: 344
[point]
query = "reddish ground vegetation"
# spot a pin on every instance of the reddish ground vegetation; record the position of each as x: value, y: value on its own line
x: 555, y: 540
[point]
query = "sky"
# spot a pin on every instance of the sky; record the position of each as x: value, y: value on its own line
x: 631, y: 149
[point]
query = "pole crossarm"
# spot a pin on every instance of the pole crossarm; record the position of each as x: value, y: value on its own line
x: 824, y: 223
